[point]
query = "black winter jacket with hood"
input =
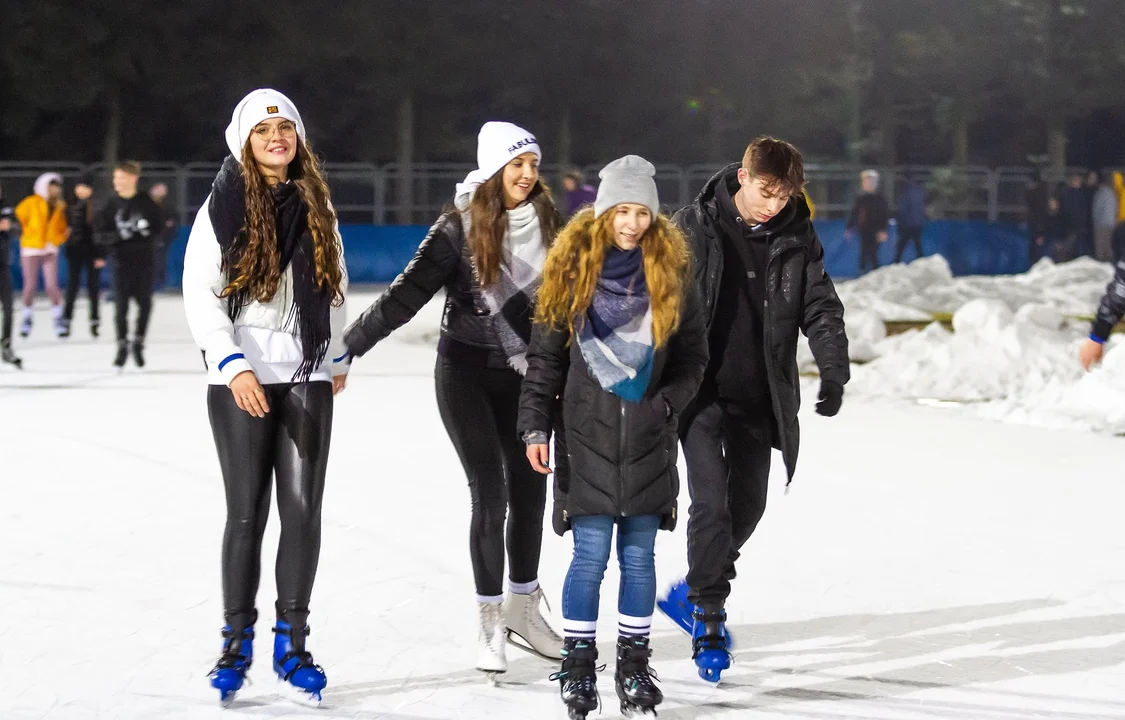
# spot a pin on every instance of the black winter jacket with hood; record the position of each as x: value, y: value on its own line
x: 615, y: 457
x: 800, y: 297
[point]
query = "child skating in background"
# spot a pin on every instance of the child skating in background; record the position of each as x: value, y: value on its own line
x: 619, y: 335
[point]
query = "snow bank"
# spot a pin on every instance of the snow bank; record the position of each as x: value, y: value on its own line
x: 992, y: 353
x: 1013, y: 351
x: 927, y: 286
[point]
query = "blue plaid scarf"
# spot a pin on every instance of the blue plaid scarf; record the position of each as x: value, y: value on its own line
x: 616, y: 337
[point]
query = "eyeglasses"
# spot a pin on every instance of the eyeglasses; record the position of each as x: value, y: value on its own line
x: 285, y: 130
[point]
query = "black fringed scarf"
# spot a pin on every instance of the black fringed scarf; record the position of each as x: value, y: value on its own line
x: 311, y: 305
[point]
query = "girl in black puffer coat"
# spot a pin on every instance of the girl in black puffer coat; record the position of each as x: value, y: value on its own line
x: 617, y: 327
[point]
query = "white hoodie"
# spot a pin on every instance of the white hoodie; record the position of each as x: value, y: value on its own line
x: 259, y: 339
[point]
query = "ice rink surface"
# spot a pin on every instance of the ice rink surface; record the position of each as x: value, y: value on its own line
x: 926, y: 563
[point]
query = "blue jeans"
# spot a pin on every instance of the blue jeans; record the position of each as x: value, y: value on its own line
x: 593, y: 534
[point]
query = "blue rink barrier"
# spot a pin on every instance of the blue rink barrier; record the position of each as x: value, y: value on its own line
x: 377, y: 253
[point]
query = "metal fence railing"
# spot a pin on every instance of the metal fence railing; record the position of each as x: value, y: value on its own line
x: 365, y: 193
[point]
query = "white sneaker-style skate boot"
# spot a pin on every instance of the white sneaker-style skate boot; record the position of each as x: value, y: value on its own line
x: 528, y: 629
x: 491, y: 657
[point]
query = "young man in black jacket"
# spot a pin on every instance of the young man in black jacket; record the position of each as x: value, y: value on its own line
x: 82, y: 255
x: 759, y: 268
x: 130, y: 224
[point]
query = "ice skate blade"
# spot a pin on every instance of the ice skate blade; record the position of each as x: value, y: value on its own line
x: 296, y: 695
x: 493, y: 677
x: 629, y: 710
x: 711, y: 676
x: 569, y: 713
x: 519, y: 641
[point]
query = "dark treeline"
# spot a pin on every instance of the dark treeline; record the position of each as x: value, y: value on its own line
x: 889, y: 81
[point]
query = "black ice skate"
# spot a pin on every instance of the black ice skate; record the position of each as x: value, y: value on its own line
x: 139, y: 353
x: 6, y: 355
x: 635, y: 680
x: 122, y: 354
x: 578, y: 677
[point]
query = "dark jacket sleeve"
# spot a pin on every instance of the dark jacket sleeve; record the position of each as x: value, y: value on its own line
x: 548, y: 362
x: 155, y: 217
x: 687, y: 355
x: 1112, y: 306
x: 687, y: 220
x: 428, y: 271
x: 823, y: 320
x: 884, y: 215
x: 104, y: 226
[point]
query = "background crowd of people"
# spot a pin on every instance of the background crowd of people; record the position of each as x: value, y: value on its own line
x: 128, y: 232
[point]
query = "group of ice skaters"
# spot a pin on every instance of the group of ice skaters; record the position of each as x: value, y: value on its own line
x: 127, y: 230
x: 619, y: 335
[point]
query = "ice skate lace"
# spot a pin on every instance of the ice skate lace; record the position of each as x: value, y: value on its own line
x: 581, y: 679
x: 535, y: 619
x: 491, y: 617
x: 636, y: 670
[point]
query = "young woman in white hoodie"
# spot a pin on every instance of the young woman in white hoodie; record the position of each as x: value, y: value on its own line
x: 264, y: 283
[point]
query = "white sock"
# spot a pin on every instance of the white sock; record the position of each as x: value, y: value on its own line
x: 580, y: 629
x: 523, y: 588
x: 56, y: 311
x: 491, y: 599
x: 26, y: 312
x: 627, y: 625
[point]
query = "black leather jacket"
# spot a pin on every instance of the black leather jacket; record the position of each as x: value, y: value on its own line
x: 442, y: 260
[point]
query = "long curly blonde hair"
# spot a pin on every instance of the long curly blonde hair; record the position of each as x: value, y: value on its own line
x: 575, y: 261
x: 258, y: 270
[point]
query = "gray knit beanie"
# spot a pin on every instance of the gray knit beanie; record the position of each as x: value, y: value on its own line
x: 627, y: 180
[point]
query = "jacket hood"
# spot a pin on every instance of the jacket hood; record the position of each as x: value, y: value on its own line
x: 708, y: 204
x: 44, y: 180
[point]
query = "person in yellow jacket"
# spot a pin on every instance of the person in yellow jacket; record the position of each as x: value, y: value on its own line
x: 1119, y: 190
x: 43, y: 228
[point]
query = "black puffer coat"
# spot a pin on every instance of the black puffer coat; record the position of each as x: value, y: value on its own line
x: 442, y: 260
x: 1112, y: 305
x: 800, y: 297
x: 619, y: 457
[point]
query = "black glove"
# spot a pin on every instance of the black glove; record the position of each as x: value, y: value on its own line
x: 831, y: 397
x: 662, y: 406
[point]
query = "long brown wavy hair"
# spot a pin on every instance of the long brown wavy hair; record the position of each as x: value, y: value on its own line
x: 258, y: 270
x: 489, y: 222
x: 574, y: 265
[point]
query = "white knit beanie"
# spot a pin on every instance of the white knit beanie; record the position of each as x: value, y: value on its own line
x: 259, y: 105
x: 630, y: 179
x: 498, y: 143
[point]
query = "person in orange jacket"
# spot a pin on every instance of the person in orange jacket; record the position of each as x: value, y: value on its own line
x: 42, y: 218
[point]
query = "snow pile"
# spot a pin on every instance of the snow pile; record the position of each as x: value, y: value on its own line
x: 1093, y: 402
x: 992, y: 353
x: 927, y: 286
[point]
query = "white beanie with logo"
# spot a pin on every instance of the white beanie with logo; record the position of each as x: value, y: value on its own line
x: 259, y: 105
x: 498, y: 143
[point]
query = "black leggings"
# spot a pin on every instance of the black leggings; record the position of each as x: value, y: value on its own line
x: 5, y: 292
x: 868, y: 252
x: 79, y: 261
x: 132, y: 278
x: 478, y: 406
x: 290, y: 443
